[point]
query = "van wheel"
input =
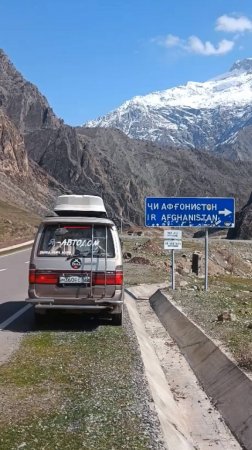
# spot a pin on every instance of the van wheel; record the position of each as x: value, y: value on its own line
x: 117, y: 319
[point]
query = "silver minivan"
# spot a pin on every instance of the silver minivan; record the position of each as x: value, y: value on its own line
x: 76, y: 261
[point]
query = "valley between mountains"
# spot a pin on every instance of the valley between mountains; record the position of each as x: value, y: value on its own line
x: 191, y: 141
x: 42, y: 157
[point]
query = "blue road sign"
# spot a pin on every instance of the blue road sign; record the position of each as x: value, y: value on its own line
x: 189, y: 212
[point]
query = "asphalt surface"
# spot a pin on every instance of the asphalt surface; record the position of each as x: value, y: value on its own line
x: 18, y: 316
x: 14, y: 269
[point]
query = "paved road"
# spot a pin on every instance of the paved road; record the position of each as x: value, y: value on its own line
x: 16, y: 316
x: 13, y: 286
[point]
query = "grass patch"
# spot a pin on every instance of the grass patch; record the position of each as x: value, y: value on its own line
x: 226, y: 293
x: 72, y: 390
x: 234, y: 283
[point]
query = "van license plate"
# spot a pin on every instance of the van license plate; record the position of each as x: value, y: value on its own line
x: 74, y: 279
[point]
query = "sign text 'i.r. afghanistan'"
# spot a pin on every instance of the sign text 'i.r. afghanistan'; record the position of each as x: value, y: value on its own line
x: 189, y: 212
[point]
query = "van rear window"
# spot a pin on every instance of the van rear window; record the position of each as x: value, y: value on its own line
x: 76, y: 240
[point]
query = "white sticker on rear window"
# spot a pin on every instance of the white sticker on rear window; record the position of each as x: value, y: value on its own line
x: 73, y: 241
x: 80, y: 242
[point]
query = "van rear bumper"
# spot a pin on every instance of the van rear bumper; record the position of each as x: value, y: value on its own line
x: 96, y: 305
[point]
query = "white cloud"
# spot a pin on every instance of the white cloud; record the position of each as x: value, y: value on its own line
x: 168, y: 41
x: 233, y: 24
x: 172, y: 41
x: 195, y: 45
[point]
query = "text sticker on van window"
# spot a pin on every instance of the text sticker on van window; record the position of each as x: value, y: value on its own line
x: 80, y: 243
x: 70, y: 246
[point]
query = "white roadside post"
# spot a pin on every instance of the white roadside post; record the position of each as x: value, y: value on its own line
x: 172, y: 241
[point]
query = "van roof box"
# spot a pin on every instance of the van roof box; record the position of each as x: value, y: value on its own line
x: 80, y: 205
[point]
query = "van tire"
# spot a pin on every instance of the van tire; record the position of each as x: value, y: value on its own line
x: 117, y: 319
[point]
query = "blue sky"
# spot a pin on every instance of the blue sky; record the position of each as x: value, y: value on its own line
x: 89, y: 56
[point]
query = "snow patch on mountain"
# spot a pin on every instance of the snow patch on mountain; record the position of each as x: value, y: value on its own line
x: 202, y: 115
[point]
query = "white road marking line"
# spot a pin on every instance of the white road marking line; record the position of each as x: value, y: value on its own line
x: 27, y: 262
x: 7, y: 322
x: 1, y: 270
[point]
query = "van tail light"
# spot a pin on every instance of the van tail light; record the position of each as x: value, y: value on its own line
x: 42, y: 278
x: 110, y: 278
x: 99, y: 278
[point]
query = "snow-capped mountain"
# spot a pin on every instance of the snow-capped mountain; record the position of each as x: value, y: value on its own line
x: 202, y: 115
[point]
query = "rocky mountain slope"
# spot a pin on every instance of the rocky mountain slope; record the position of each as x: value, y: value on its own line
x: 26, y: 191
x: 23, y: 182
x: 55, y: 147
x: 243, y: 223
x: 21, y: 100
x: 173, y: 172
x: 206, y: 115
x: 41, y: 157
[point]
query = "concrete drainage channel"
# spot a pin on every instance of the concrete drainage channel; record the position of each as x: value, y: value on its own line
x: 173, y: 427
x: 228, y: 387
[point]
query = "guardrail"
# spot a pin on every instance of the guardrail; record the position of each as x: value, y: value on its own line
x: 14, y: 247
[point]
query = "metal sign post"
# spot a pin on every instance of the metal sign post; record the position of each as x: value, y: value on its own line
x: 172, y: 241
x: 206, y: 259
x: 173, y: 270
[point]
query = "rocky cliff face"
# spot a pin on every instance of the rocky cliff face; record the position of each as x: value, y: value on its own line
x: 239, y: 147
x: 243, y: 221
x: 23, y: 182
x: 21, y: 100
x: 13, y: 157
x: 23, y: 111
